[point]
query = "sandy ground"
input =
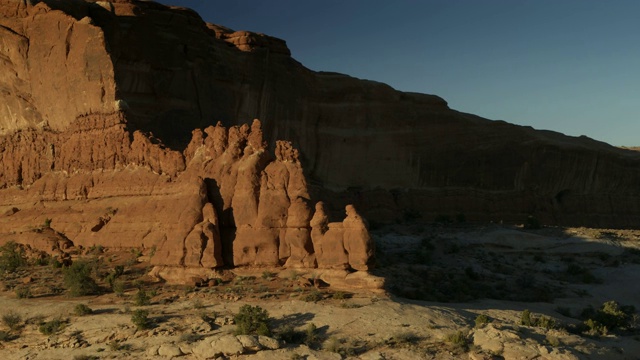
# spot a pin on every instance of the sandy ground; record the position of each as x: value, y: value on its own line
x: 367, y: 325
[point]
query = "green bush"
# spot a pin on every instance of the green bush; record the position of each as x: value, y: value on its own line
x: 340, y: 346
x: 23, y: 293
x: 12, y: 257
x: 481, y: 320
x: 546, y: 322
x: 141, y: 298
x: 140, y: 318
x: 312, y: 296
x: 339, y: 295
x: 525, y: 318
x: 291, y: 336
x: 12, y: 320
x: 82, y: 309
x: 553, y: 340
x: 457, y: 339
x: 610, y: 316
x: 77, y: 279
x: 6, y: 336
x: 118, y: 287
x: 51, y: 327
x: 252, y: 320
x: 405, y: 337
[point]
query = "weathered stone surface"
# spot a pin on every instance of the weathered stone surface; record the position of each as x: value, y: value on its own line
x: 249, y: 342
x: 345, y: 245
x: 126, y: 154
x: 169, y: 350
x: 268, y: 342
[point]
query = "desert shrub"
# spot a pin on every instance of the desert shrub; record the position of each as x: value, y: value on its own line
x: 268, y: 275
x: 457, y: 339
x: 55, y: 263
x: 525, y: 318
x: 553, y: 340
x: 481, y: 320
x: 95, y: 250
x: 51, y: 327
x: 23, y: 293
x: 12, y: 320
x: 290, y: 335
x: 333, y: 344
x: 310, y: 334
x: 136, y: 252
x: 42, y: 260
x: 312, y: 296
x: 340, y: 346
x: 115, y: 273
x: 141, y: 298
x: 82, y: 309
x: 140, y: 318
x: 252, y: 320
x: 339, y: 295
x: 118, y: 345
x: 545, y: 322
x: 198, y: 304
x: 12, y: 257
x: 6, y: 336
x: 610, y: 316
x: 77, y: 279
x: 405, y: 337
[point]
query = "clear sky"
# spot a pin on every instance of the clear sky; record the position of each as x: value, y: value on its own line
x: 571, y: 66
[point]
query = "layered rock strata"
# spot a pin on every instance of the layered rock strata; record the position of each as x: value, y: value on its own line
x: 227, y: 201
x: 84, y: 85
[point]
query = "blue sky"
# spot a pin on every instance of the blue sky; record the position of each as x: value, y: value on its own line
x: 571, y: 66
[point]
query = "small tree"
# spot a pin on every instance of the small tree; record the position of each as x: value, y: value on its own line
x: 12, y: 257
x: 525, y: 318
x: 141, y: 298
x: 140, y: 319
x: 252, y: 320
x: 77, y: 279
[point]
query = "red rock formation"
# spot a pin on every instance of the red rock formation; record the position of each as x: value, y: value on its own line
x: 345, y: 245
x: 103, y: 103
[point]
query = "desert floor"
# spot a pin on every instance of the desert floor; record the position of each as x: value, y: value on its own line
x: 438, y: 280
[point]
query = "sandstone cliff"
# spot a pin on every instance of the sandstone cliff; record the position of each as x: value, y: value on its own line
x: 101, y: 87
x: 81, y: 167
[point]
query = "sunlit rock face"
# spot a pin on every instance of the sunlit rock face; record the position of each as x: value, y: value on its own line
x: 109, y: 127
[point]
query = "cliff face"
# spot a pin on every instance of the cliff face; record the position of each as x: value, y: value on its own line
x: 78, y: 154
x: 99, y: 87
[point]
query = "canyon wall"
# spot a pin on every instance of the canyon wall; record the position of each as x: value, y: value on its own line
x: 102, y: 87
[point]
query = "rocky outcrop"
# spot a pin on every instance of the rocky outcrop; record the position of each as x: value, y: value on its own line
x: 345, y: 245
